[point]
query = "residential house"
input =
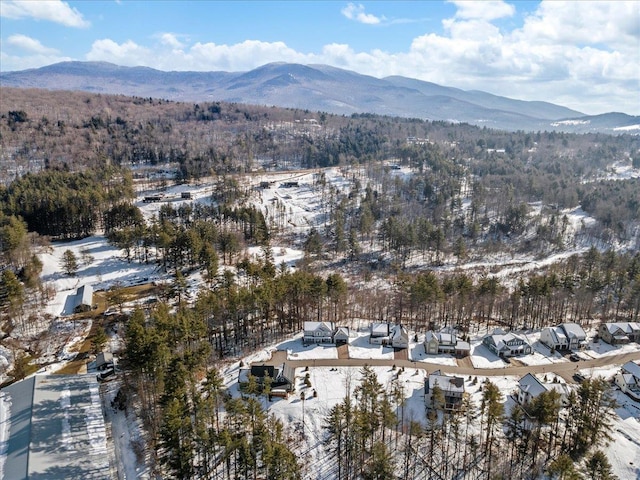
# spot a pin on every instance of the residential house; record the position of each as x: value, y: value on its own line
x: 445, y: 341
x: 566, y: 336
x: 318, y: 332
x: 529, y: 387
x: 452, y: 389
x: 619, y: 333
x: 399, y: 337
x: 282, y: 378
x: 507, y: 344
x: 396, y: 336
x: 104, y: 361
x: 379, y: 333
x: 341, y: 336
x: 84, y: 299
x: 628, y: 379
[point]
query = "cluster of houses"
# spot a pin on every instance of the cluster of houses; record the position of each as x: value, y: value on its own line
x: 396, y: 336
x: 453, y: 390
x: 561, y: 338
x: 323, y: 333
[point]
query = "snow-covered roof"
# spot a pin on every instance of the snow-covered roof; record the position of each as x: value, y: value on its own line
x: 531, y: 385
x: 342, y: 332
x: 448, y: 384
x: 84, y: 296
x: 399, y: 332
x: 313, y: 326
x: 56, y: 429
x: 632, y: 368
x: 574, y: 330
x: 379, y: 329
x: 626, y: 327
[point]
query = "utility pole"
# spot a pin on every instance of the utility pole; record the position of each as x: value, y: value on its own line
x: 302, y: 399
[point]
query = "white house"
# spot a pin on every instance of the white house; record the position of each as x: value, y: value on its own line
x: 399, y: 337
x: 507, y: 344
x: 318, y: 332
x: 529, y: 387
x: 628, y: 379
x: 379, y: 333
x: 566, y: 336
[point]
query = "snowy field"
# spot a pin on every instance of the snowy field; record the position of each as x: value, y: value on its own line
x: 417, y: 354
x: 359, y: 347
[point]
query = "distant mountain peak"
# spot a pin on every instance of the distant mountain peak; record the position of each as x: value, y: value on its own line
x: 320, y: 88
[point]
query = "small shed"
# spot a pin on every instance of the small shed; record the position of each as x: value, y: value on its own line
x: 84, y: 299
x: 104, y: 360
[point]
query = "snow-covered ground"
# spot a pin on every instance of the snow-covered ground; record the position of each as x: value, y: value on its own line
x: 298, y: 207
x: 359, y: 347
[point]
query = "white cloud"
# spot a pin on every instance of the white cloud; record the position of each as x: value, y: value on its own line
x: 51, y: 10
x: 171, y: 40
x: 357, y: 13
x: 485, y: 10
x: 30, y: 45
x: 583, y: 55
x: 128, y: 53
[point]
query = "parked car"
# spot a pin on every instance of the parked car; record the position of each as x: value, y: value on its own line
x: 578, y: 377
x: 574, y: 357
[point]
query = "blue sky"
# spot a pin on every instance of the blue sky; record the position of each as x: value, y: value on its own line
x: 584, y: 55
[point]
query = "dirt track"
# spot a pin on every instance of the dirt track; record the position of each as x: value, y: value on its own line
x: 564, y: 369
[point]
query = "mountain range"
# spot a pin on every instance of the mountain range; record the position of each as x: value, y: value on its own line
x: 321, y: 88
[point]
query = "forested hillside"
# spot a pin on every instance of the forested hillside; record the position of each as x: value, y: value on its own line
x: 427, y: 224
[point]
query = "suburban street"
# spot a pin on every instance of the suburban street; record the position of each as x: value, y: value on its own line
x: 464, y: 367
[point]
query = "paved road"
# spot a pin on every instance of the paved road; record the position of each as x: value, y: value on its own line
x: 564, y: 369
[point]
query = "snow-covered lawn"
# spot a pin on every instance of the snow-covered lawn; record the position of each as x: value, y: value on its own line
x: 100, y: 265
x: 417, y: 354
x: 297, y: 351
x: 359, y: 347
x: 482, y: 357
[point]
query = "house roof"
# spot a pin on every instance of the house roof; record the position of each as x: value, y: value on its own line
x: 56, y: 429
x: 342, y: 332
x: 573, y: 330
x: 311, y: 326
x: 104, y: 357
x: 84, y: 295
x: 626, y: 327
x: 559, y: 334
x: 448, y: 384
x: 379, y: 329
x: 262, y: 371
x: 500, y: 340
x: 400, y: 332
x: 531, y: 385
x: 632, y: 368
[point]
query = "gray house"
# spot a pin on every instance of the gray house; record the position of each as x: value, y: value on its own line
x: 55, y: 429
x: 84, y: 299
x: 507, y: 344
x: 620, y: 332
